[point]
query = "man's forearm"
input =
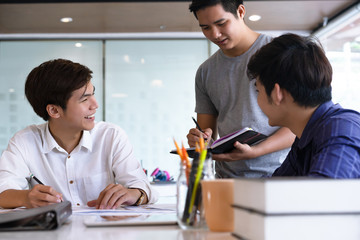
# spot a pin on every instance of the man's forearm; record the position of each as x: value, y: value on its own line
x: 13, y: 198
x: 281, y: 139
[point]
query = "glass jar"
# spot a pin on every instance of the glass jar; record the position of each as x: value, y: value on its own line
x: 190, y: 213
x: 208, y: 172
x: 181, y: 192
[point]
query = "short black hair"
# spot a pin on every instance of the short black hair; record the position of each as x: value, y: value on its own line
x: 228, y: 5
x: 53, y: 82
x: 298, y: 64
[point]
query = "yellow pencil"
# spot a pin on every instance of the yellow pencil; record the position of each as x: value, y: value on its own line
x: 194, y: 194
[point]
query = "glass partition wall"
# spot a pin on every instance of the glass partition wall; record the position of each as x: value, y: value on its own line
x: 149, y: 91
x: 144, y: 86
x: 341, y: 41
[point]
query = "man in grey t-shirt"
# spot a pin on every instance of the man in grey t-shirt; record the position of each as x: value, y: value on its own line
x: 226, y: 98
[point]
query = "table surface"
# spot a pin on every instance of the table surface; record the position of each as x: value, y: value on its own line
x: 75, y: 229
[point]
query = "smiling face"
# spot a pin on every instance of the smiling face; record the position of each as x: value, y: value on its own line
x: 221, y: 27
x: 80, y: 110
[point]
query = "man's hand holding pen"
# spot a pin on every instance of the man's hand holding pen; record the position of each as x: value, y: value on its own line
x: 41, y: 195
x: 194, y: 136
x: 195, y: 133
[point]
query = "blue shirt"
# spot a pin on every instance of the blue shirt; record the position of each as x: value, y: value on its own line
x: 329, y: 145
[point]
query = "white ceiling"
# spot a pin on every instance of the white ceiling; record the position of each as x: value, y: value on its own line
x: 171, y: 16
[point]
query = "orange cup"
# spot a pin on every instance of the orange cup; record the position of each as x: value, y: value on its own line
x: 218, y: 197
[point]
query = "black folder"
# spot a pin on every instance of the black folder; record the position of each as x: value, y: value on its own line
x: 41, y: 218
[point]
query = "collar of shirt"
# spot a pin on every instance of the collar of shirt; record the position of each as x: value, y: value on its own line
x: 49, y: 142
x: 310, y: 129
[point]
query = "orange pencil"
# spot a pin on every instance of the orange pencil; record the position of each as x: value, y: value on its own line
x: 178, y: 149
x: 197, y: 147
x: 186, y: 162
x: 202, y: 144
x: 184, y: 152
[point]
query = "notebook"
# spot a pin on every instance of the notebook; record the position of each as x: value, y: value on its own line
x: 226, y: 143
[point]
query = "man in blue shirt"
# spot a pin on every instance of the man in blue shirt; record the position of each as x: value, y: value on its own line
x: 293, y: 81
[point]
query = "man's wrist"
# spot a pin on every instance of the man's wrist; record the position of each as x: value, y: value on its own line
x: 256, y: 151
x: 142, y: 199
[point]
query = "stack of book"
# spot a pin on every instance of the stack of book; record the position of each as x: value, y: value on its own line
x: 297, y: 208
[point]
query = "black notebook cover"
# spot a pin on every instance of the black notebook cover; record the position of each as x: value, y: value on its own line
x: 226, y: 143
x: 41, y: 218
x: 249, y: 137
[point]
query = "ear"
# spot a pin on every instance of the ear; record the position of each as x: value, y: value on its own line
x: 241, y: 11
x: 277, y: 94
x: 53, y: 110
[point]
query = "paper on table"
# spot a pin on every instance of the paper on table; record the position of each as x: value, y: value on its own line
x: 127, y: 210
x: 6, y: 210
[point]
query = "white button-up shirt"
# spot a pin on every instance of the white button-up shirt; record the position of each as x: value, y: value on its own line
x: 104, y: 155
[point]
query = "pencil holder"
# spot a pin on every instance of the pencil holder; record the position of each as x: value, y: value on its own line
x: 190, y: 209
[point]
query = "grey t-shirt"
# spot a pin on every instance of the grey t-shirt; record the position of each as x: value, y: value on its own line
x: 223, y: 88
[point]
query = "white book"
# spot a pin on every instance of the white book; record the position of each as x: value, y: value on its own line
x: 298, y: 195
x: 254, y: 226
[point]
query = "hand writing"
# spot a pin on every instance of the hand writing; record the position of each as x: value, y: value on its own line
x: 194, y: 136
x: 41, y: 195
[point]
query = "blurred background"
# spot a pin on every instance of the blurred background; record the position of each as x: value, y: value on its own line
x: 144, y: 55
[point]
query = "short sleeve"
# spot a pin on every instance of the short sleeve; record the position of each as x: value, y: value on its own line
x: 204, y: 104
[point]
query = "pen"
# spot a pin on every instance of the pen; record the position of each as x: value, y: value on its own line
x: 35, y: 178
x: 197, y: 125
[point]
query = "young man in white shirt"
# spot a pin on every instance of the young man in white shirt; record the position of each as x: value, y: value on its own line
x: 77, y: 159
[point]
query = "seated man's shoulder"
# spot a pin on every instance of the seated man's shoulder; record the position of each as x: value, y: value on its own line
x: 31, y: 131
x: 343, y: 122
x: 107, y: 128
